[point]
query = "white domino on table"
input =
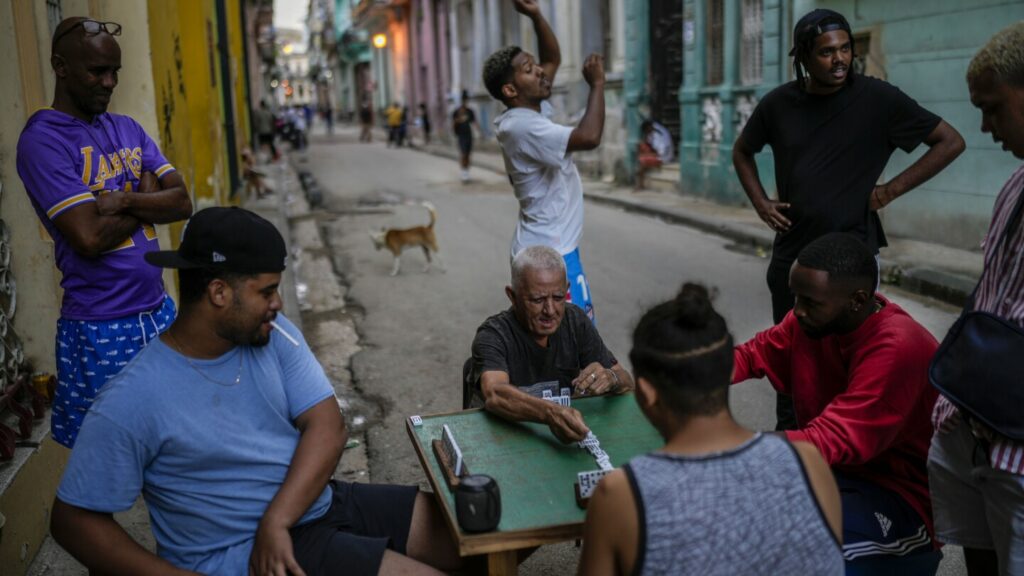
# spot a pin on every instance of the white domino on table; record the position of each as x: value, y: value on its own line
x: 563, y: 400
x: 416, y: 421
x: 593, y: 445
x: 588, y: 481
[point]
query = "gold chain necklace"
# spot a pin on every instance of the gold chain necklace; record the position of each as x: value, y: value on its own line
x: 181, y: 350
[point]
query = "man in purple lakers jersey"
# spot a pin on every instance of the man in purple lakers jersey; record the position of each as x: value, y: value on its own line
x: 99, y: 184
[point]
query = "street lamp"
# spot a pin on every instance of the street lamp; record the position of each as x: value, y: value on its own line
x: 380, y: 40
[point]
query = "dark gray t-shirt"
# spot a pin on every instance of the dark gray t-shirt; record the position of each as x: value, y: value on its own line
x: 502, y: 344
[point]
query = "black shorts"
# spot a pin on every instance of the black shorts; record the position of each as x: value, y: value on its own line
x: 465, y: 143
x: 362, y: 522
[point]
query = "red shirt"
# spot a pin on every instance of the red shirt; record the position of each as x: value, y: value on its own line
x: 862, y: 398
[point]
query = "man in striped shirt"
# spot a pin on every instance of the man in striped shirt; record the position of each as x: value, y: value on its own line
x: 98, y: 183
x: 976, y: 475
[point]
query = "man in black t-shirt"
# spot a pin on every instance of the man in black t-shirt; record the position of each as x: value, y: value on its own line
x: 542, y: 344
x: 463, y: 120
x: 832, y: 133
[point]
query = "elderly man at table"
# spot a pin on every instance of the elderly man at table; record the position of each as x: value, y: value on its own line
x: 540, y: 343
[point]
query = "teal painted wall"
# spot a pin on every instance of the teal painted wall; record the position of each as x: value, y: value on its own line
x: 921, y: 47
x: 706, y: 168
x: 927, y: 47
x: 635, y: 82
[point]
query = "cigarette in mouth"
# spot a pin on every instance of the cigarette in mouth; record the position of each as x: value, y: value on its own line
x: 277, y: 327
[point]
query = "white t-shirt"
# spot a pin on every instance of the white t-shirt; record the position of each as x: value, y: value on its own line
x: 544, y: 178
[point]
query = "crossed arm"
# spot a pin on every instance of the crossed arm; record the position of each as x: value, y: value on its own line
x: 102, y: 545
x: 93, y: 228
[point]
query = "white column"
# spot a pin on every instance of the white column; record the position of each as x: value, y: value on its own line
x: 455, y: 69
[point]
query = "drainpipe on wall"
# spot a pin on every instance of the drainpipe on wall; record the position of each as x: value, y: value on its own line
x: 225, y: 88
x: 243, y: 18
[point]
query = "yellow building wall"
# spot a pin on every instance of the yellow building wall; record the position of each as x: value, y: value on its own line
x: 169, y: 93
x: 236, y: 34
x: 198, y: 29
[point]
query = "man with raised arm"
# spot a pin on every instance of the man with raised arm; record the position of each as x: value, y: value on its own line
x: 538, y: 152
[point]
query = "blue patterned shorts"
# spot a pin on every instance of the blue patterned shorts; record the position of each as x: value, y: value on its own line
x: 90, y: 352
x: 579, y: 288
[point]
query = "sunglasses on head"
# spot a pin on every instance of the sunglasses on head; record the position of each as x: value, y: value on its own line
x: 92, y: 28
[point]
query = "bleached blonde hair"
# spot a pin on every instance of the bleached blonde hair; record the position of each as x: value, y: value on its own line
x: 1003, y: 54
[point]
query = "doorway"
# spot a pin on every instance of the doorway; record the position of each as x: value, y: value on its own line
x: 666, y: 36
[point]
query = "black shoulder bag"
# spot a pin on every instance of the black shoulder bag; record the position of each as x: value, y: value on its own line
x: 980, y: 365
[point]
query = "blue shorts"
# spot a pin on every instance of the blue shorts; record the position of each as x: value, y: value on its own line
x: 90, y: 352
x: 579, y: 288
x: 882, y: 533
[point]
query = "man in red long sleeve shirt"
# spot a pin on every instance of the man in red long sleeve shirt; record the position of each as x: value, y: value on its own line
x: 856, y: 365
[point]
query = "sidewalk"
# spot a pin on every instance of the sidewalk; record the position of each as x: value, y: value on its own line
x: 928, y: 269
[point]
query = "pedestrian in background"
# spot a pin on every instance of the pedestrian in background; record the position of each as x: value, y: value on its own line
x: 463, y: 120
x: 263, y: 124
x: 393, y: 117
x: 98, y: 183
x: 328, y: 114
x: 300, y: 126
x: 366, y: 122
x: 425, y: 123
x: 403, y: 128
x: 832, y: 133
x: 653, y: 151
x: 976, y: 474
x: 538, y: 152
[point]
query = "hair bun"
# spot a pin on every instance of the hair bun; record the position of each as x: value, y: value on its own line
x: 693, y: 306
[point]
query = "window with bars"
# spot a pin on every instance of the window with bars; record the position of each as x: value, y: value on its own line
x: 715, y: 43
x: 54, y: 14
x: 751, y: 43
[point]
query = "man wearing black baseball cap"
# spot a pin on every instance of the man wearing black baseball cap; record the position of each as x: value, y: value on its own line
x: 832, y: 132
x: 231, y: 433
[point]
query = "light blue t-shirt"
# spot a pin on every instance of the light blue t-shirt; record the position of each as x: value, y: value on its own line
x: 207, y: 455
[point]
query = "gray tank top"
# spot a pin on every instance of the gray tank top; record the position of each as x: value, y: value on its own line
x: 749, y: 510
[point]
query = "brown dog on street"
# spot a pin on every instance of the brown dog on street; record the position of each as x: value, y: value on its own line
x: 397, y: 240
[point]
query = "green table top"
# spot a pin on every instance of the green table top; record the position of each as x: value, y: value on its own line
x: 534, y: 471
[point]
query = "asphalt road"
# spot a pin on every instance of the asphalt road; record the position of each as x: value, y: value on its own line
x: 416, y: 328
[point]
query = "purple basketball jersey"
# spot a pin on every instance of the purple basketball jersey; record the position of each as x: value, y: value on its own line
x: 65, y: 162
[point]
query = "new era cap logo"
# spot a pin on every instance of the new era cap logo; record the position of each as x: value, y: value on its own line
x: 218, y: 257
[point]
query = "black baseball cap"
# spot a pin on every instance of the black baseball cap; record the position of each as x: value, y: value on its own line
x: 815, y: 23
x: 226, y: 238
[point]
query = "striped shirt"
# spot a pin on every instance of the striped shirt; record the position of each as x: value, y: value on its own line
x: 1001, y: 292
